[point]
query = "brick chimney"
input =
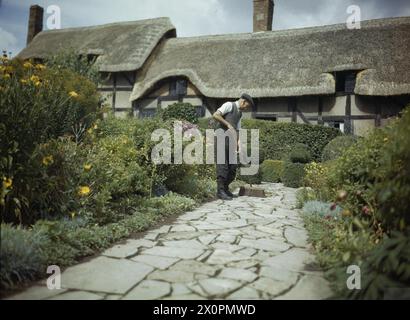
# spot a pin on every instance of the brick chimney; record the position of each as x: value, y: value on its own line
x: 35, y: 22
x: 262, y: 15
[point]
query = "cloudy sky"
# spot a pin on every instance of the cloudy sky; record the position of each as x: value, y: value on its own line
x: 191, y: 17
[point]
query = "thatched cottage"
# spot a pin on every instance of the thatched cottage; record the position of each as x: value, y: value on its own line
x: 350, y: 79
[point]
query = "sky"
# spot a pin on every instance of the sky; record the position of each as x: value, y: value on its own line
x: 190, y: 17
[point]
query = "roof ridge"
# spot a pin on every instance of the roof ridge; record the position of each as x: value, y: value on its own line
x: 372, y: 23
x: 101, y: 26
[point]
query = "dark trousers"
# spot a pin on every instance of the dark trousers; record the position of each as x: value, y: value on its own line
x: 226, y: 172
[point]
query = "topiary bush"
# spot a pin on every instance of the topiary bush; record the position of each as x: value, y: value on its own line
x: 252, y: 179
x: 180, y: 111
x: 335, y: 148
x: 293, y: 174
x: 272, y: 170
x: 300, y: 154
x: 278, y: 138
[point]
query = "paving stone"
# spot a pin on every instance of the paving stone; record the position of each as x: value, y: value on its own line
x: 219, y: 287
x: 221, y: 257
x: 269, y: 286
x: 184, y: 244
x: 180, y: 289
x: 226, y: 246
x: 207, y: 239
x: 279, y: 274
x: 309, y: 288
x: 149, y: 290
x: 157, y: 262
x: 172, y: 276
x: 182, y: 228
x: 226, y: 238
x: 36, y: 293
x: 244, y: 264
x: 173, y: 252
x: 244, y: 293
x: 105, y: 274
x: 296, y: 236
x: 238, y: 274
x: 183, y: 235
x: 265, y: 244
x: 128, y: 249
x: 185, y: 297
x: 195, y: 266
x: 77, y: 295
x: 294, y: 259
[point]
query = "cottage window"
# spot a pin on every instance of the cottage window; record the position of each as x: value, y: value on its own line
x: 178, y: 87
x: 345, y: 81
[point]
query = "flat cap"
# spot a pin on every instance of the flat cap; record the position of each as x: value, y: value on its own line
x: 248, y: 98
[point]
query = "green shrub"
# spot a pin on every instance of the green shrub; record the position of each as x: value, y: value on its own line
x: 375, y: 175
x: 293, y: 174
x: 300, y: 154
x: 303, y: 195
x: 180, y: 111
x: 320, y: 208
x: 250, y: 179
x: 278, y: 138
x: 335, y: 148
x: 20, y: 255
x: 272, y: 170
x: 61, y: 102
x: 69, y: 59
x: 387, y: 267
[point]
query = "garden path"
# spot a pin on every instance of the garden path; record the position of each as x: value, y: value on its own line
x: 248, y: 248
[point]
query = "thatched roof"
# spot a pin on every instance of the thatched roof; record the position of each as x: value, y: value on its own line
x: 122, y: 46
x: 290, y: 62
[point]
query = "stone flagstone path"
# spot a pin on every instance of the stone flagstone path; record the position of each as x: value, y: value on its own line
x: 248, y: 248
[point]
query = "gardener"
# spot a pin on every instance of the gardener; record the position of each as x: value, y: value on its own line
x: 228, y: 117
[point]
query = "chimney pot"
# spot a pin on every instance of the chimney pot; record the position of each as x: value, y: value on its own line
x: 262, y: 15
x: 35, y: 22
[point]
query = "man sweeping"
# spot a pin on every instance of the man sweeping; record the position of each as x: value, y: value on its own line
x: 228, y: 117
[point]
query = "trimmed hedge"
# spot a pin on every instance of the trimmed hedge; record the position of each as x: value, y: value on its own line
x: 335, y: 148
x: 278, y: 138
x: 272, y: 170
x: 300, y: 154
x: 293, y: 174
x: 180, y: 111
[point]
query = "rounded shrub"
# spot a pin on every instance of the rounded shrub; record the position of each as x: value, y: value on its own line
x: 300, y: 154
x: 272, y: 170
x: 276, y: 139
x: 335, y: 148
x: 180, y: 111
x: 293, y: 174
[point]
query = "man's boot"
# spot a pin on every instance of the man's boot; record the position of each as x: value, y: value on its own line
x: 228, y: 192
x: 221, y: 194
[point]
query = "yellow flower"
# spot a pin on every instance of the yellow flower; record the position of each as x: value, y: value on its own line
x: 27, y: 65
x: 84, y: 191
x: 37, y: 83
x: 34, y: 79
x: 386, y: 139
x: 48, y: 160
x: 72, y: 214
x: 87, y: 167
x: 23, y: 81
x: 7, y: 182
x: 40, y: 66
x: 73, y: 94
x: 95, y: 127
x: 7, y: 76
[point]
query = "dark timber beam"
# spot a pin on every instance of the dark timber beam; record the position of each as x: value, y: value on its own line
x: 114, y: 94
x: 348, y: 117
